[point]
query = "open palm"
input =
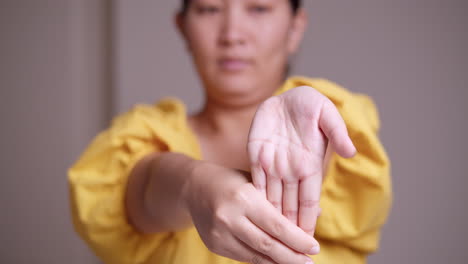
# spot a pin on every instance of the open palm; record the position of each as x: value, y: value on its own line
x: 287, y: 144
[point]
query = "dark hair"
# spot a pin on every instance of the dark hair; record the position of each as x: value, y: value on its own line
x: 295, y: 5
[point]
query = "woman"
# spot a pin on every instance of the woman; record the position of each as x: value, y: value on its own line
x: 161, y: 187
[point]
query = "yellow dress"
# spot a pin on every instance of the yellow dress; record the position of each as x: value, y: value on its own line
x: 356, y: 193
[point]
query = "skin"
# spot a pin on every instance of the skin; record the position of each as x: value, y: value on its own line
x: 288, y: 151
x: 240, y: 49
x: 216, y: 31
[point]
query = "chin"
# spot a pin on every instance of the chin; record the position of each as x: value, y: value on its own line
x: 233, y: 90
x: 235, y: 85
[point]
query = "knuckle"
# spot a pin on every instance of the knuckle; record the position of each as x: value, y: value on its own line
x: 221, y: 218
x: 215, y: 237
x: 313, y: 204
x: 290, y: 184
x: 240, y: 195
x: 261, y: 187
x: 310, y: 231
x: 290, y: 214
x: 265, y: 245
x: 257, y: 259
x: 243, y: 198
x: 277, y: 229
x: 276, y: 204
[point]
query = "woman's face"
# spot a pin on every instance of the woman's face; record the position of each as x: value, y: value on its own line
x: 241, y: 47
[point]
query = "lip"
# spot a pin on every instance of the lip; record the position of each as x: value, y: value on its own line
x: 234, y: 64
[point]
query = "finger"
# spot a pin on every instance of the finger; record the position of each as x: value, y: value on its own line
x: 332, y: 124
x: 291, y: 200
x: 254, y: 257
x: 259, y: 179
x: 240, y: 251
x: 263, y: 243
x: 274, y: 191
x: 264, y: 215
x: 326, y: 160
x: 258, y: 175
x: 274, y: 185
x: 309, y: 207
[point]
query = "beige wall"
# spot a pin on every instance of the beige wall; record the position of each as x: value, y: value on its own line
x: 55, y: 94
x: 52, y: 88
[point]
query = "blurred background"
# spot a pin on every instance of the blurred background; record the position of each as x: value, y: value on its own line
x: 68, y: 66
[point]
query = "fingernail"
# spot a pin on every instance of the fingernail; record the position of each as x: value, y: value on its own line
x: 315, y: 250
x: 309, y: 262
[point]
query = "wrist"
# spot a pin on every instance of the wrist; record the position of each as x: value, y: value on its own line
x: 192, y: 173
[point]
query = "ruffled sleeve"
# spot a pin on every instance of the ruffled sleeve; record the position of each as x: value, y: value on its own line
x: 98, y: 179
x: 356, y: 194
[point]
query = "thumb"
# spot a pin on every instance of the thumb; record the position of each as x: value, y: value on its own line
x: 332, y: 125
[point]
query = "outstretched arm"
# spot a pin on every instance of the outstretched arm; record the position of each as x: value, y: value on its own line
x: 154, y: 193
x: 168, y: 191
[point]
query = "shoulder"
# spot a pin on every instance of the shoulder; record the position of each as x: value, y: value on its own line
x: 144, y: 120
x: 164, y: 123
x: 99, y: 178
x: 168, y: 109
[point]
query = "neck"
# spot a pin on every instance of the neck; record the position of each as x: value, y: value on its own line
x: 229, y: 119
x: 220, y: 119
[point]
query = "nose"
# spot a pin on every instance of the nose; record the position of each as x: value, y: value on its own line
x: 232, y: 32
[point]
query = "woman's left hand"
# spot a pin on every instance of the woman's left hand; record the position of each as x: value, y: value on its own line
x: 287, y: 144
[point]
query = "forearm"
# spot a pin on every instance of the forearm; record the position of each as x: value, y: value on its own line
x: 154, y: 197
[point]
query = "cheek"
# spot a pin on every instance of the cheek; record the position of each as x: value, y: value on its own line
x: 272, y: 39
x: 201, y: 41
x: 273, y: 46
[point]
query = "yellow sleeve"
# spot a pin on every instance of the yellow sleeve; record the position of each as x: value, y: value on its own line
x: 356, y: 193
x: 98, y: 181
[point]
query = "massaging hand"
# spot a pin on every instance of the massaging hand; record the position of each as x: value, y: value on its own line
x: 234, y: 220
x: 287, y: 144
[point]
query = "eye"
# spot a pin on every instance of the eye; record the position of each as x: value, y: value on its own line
x: 207, y: 9
x: 259, y: 9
